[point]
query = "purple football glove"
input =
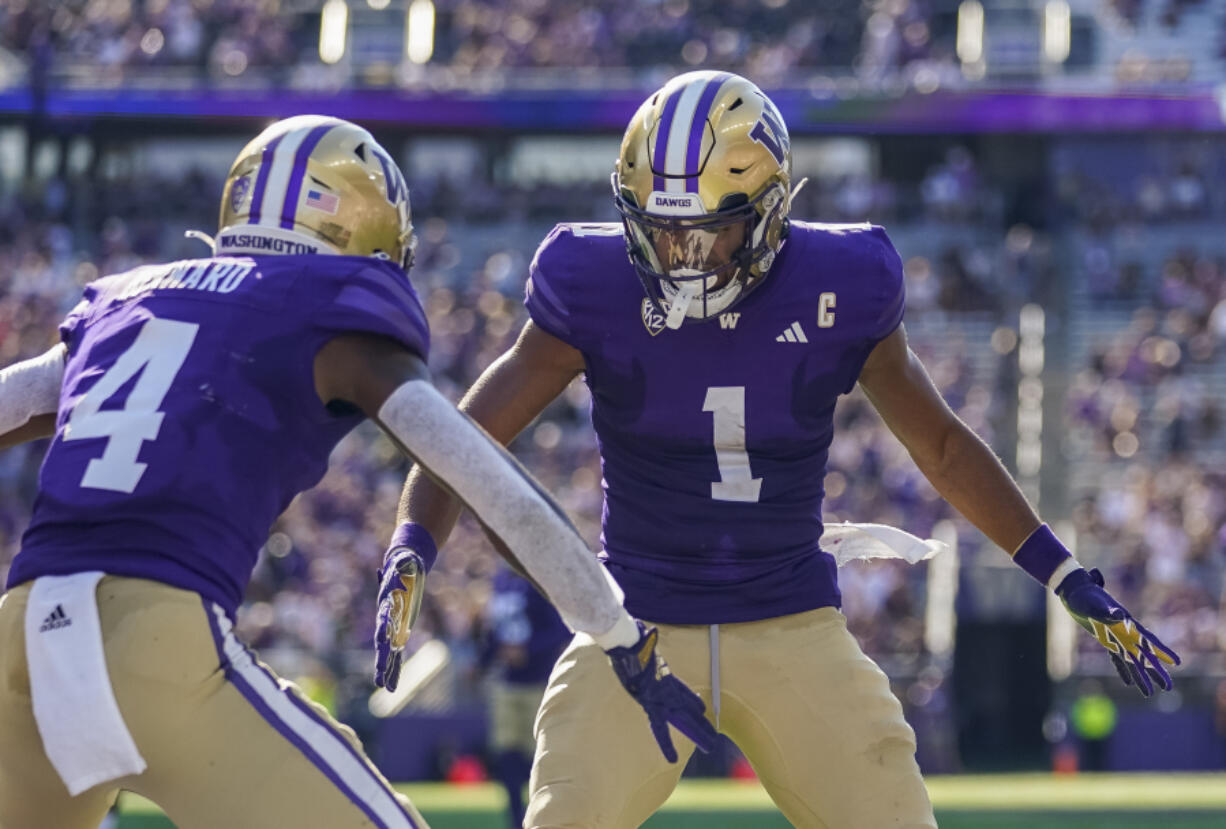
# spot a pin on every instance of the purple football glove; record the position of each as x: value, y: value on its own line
x: 402, y: 582
x: 1136, y: 653
x: 665, y: 698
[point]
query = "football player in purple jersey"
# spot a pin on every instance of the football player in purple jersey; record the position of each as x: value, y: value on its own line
x: 190, y: 402
x: 715, y: 352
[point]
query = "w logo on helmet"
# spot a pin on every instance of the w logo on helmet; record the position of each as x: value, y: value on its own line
x: 770, y: 133
x: 396, y: 188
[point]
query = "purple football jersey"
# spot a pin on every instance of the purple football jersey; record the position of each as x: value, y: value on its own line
x: 188, y: 416
x: 714, y: 436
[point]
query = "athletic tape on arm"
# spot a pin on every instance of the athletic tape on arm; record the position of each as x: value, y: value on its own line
x: 492, y: 484
x: 31, y: 387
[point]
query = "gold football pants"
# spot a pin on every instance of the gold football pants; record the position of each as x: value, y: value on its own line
x: 813, y: 714
x: 227, y: 742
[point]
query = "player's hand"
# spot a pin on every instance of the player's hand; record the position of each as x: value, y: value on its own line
x: 666, y: 699
x: 401, y: 584
x: 1136, y: 653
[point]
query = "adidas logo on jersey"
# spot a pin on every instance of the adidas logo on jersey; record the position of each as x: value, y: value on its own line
x: 792, y: 334
x: 56, y: 619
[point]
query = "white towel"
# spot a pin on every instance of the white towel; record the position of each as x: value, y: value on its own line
x: 83, y: 732
x: 848, y: 542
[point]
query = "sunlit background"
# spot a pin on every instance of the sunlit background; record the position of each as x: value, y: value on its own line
x: 1050, y: 172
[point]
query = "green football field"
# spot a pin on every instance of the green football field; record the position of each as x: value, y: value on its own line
x: 1010, y: 801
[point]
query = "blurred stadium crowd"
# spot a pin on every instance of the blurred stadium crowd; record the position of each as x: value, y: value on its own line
x: 1147, y: 313
x: 226, y: 37
x: 873, y: 41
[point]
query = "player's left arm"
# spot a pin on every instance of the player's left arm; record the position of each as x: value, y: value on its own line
x: 952, y: 457
x: 391, y: 385
x: 30, y: 397
x: 968, y: 474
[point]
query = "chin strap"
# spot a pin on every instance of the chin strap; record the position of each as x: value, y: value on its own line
x: 202, y: 236
x: 680, y: 304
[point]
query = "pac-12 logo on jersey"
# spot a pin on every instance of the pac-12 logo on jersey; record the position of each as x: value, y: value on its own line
x: 653, y: 320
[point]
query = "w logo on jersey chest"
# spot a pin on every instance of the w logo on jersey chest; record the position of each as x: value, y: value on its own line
x: 729, y: 320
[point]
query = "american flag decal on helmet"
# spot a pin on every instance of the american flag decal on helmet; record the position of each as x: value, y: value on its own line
x: 318, y: 199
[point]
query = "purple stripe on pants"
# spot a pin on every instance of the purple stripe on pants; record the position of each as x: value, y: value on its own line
x: 261, y: 180
x: 234, y: 677
x: 290, y: 205
x: 698, y: 127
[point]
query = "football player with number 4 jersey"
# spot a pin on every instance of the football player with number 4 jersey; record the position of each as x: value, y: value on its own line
x: 190, y: 403
x: 715, y: 352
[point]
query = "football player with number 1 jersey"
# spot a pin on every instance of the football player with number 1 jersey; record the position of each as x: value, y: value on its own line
x: 190, y: 403
x: 715, y: 352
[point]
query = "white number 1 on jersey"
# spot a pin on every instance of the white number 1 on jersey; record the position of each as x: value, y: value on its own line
x: 159, y: 349
x: 736, y: 481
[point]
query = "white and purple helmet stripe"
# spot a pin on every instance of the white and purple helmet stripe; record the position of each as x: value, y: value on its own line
x: 294, y: 189
x: 327, y: 750
x: 679, y: 138
x: 279, y: 182
x: 261, y: 180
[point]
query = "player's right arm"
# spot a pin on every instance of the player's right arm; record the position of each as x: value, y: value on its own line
x: 508, y: 396
x: 30, y: 396
x: 463, y: 464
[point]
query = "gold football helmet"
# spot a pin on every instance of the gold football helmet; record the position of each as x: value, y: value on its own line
x: 703, y: 185
x: 313, y: 184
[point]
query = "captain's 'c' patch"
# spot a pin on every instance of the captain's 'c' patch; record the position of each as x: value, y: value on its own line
x: 825, y: 312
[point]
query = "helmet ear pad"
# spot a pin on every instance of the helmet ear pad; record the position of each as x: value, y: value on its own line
x: 325, y: 180
x: 727, y: 152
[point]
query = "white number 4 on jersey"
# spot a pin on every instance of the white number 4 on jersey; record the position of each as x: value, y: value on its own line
x: 160, y: 349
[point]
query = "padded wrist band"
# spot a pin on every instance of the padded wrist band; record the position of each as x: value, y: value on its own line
x: 624, y: 633
x: 1044, y: 557
x: 417, y: 538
